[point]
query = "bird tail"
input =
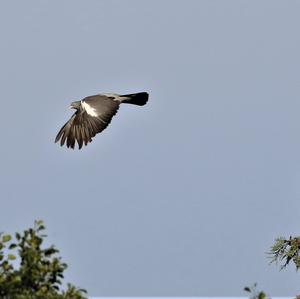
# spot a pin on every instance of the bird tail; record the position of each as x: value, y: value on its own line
x: 140, y: 98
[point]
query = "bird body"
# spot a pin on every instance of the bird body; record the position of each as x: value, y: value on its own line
x: 93, y: 114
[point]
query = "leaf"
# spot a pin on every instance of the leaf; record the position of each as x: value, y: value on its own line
x: 262, y: 295
x: 17, y: 279
x: 18, y: 236
x: 11, y: 257
x: 6, y: 238
x: 50, y: 251
x: 5, y: 265
x: 42, y: 227
x: 39, y: 222
x: 12, y: 246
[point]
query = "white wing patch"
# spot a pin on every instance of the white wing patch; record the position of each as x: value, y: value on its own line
x: 89, y: 110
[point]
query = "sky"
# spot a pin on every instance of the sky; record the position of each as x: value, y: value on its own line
x: 183, y: 196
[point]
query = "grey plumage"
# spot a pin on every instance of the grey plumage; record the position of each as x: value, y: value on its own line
x: 93, y: 114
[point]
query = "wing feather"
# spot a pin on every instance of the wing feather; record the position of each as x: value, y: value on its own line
x: 82, y: 127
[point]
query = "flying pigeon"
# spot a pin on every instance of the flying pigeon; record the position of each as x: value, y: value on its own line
x: 93, y: 114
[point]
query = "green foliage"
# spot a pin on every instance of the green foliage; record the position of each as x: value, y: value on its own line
x: 29, y: 271
x: 254, y: 294
x: 285, y: 250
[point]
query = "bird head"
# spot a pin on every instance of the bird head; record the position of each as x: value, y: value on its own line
x: 75, y: 105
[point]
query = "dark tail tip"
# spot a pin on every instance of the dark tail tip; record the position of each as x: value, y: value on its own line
x: 140, y: 98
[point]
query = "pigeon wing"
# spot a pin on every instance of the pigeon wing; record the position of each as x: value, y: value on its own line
x: 84, y: 125
x: 65, y: 130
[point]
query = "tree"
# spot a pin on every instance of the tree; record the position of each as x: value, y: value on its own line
x: 283, y: 251
x: 286, y: 250
x: 29, y: 271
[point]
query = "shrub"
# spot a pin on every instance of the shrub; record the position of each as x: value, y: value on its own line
x: 285, y: 251
x: 254, y: 294
x: 29, y: 271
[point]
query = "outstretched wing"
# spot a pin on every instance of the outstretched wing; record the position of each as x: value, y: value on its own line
x: 84, y: 125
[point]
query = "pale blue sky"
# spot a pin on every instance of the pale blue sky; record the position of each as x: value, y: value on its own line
x: 181, y: 197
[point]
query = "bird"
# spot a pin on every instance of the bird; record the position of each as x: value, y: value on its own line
x: 93, y: 114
